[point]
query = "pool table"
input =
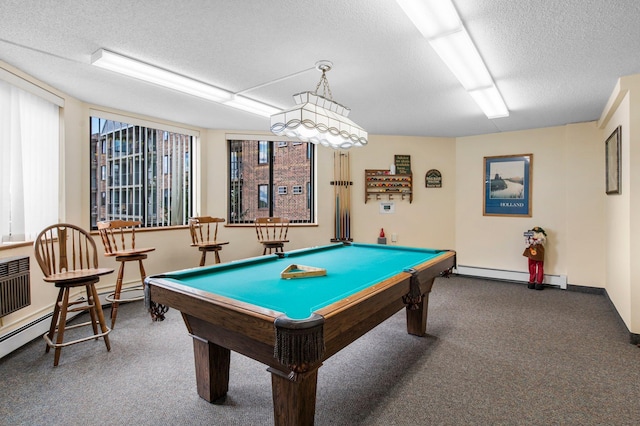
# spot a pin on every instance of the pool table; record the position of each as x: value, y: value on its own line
x: 293, y: 325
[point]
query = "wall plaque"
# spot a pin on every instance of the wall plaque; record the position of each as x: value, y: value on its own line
x: 433, y: 179
x: 403, y: 164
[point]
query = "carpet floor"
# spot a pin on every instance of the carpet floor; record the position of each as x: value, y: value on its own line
x: 496, y: 353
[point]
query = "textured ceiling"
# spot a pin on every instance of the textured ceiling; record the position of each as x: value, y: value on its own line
x: 555, y: 62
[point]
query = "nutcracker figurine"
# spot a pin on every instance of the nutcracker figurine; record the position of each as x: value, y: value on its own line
x: 534, y: 251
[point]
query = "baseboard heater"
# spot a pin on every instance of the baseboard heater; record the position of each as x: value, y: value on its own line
x: 503, y: 275
x: 15, y: 291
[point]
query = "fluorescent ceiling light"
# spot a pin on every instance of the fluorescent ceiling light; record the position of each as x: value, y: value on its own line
x: 249, y: 105
x: 152, y: 74
x: 460, y: 55
x: 440, y: 24
x: 490, y: 101
x: 432, y: 18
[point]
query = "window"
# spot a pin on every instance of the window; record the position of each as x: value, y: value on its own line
x: 29, y: 161
x: 256, y: 190
x: 263, y: 152
x: 148, y: 176
x: 263, y: 196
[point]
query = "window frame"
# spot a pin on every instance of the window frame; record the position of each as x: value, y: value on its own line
x: 236, y: 186
x: 185, y: 142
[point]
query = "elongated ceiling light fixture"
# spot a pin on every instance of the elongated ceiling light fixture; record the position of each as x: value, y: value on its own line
x: 152, y: 74
x: 440, y: 24
x: 318, y: 118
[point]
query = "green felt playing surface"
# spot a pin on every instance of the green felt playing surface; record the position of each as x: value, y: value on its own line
x: 350, y: 268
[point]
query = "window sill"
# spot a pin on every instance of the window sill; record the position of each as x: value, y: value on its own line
x: 8, y: 246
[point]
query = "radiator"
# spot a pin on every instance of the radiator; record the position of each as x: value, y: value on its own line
x: 15, y: 291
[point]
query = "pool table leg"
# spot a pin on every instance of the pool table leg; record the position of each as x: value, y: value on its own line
x: 294, y: 401
x: 212, y: 370
x: 417, y: 318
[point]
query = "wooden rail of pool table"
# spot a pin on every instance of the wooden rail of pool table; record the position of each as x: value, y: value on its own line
x: 353, y: 319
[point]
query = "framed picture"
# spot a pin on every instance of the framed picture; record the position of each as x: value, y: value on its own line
x: 507, y: 185
x: 612, y: 152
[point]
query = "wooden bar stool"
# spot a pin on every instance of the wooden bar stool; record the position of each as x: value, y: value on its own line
x: 68, y: 257
x: 119, y: 240
x: 200, y: 229
x: 272, y: 233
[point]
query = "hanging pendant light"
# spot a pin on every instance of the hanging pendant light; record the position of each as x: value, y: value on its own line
x: 319, y: 119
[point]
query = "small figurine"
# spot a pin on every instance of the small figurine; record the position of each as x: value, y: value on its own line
x: 534, y: 251
x: 381, y: 232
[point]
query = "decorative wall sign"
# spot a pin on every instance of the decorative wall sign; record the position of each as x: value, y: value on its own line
x: 507, y: 185
x: 403, y: 164
x: 433, y: 179
x: 387, y: 208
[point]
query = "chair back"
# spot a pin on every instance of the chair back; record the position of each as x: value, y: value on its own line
x: 203, y: 228
x: 64, y: 247
x: 271, y: 229
x: 118, y: 236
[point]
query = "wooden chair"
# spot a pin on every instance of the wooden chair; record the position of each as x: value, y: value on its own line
x: 201, y: 229
x: 119, y: 240
x: 272, y: 233
x: 68, y: 257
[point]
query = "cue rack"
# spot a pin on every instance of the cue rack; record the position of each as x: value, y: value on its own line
x: 342, y: 196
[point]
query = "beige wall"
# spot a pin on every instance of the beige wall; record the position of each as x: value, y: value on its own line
x: 591, y: 236
x: 567, y: 201
x: 428, y: 221
x: 623, y: 210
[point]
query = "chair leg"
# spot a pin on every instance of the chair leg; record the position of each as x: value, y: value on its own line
x: 203, y: 258
x: 143, y: 274
x: 61, y: 325
x: 217, y: 256
x: 54, y: 318
x: 98, y: 309
x: 116, y: 295
x: 91, y: 300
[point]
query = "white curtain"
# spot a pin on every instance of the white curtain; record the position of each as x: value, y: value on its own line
x: 29, y: 163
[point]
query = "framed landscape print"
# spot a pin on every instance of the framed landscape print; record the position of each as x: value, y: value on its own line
x: 612, y: 151
x: 507, y: 185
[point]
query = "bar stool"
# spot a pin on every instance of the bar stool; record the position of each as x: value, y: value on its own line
x: 119, y: 241
x: 200, y: 229
x: 272, y: 233
x: 68, y: 258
